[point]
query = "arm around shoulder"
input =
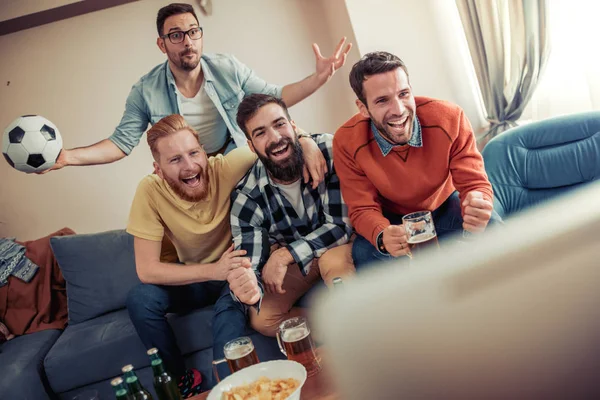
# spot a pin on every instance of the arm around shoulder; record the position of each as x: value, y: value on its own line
x: 236, y: 163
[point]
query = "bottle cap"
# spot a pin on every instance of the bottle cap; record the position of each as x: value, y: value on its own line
x: 337, y: 280
x: 153, y: 350
x: 127, y: 368
x: 117, y: 381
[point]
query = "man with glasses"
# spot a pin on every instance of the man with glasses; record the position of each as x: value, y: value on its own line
x: 205, y: 88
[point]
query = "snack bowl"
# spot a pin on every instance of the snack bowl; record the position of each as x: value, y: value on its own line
x: 278, y: 369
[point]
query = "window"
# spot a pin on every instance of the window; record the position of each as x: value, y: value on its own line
x: 571, y: 80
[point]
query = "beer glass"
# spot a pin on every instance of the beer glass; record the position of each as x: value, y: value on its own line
x: 420, y: 231
x: 239, y: 353
x: 296, y: 343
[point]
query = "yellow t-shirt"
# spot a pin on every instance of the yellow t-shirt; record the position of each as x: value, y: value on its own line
x: 199, y: 230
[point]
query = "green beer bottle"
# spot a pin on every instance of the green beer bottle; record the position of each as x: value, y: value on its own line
x: 120, y: 389
x: 134, y: 385
x: 164, y: 385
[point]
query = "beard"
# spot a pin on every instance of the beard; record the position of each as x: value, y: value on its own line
x: 188, y: 65
x: 182, y: 62
x: 385, y: 130
x: 190, y: 194
x: 288, y: 170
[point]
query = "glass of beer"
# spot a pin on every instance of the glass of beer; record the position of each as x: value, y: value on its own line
x: 239, y: 353
x: 420, y: 231
x: 296, y: 343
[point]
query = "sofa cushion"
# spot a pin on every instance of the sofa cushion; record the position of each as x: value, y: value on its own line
x: 96, y: 350
x: 21, y: 374
x: 99, y: 270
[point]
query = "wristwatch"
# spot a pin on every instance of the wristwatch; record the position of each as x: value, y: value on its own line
x: 380, y: 245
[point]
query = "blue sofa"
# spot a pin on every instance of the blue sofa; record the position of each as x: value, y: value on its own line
x: 22, y: 375
x: 100, y: 270
x: 99, y: 339
x: 533, y: 163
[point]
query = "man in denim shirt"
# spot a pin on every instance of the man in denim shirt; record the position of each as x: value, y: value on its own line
x: 205, y: 88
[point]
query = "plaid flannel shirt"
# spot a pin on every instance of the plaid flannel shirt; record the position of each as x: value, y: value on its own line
x: 262, y: 216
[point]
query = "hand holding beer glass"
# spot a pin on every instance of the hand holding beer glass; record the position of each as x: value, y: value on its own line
x: 298, y: 344
x: 420, y: 231
x: 239, y: 353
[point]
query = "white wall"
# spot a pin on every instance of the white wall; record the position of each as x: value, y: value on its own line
x: 339, y: 25
x: 427, y: 35
x: 78, y: 72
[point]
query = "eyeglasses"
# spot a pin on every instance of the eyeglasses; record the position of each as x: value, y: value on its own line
x: 179, y: 36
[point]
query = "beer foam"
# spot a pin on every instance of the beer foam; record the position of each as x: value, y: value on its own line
x: 239, y: 351
x: 421, y: 237
x: 295, y: 334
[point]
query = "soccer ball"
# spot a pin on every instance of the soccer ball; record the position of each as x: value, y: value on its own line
x: 31, y: 143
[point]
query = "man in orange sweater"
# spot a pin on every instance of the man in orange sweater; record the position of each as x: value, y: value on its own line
x: 402, y: 154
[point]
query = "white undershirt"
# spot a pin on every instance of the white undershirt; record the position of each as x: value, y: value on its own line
x: 293, y: 192
x: 202, y: 115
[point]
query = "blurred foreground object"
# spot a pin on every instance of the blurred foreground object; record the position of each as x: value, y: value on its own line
x: 516, y: 316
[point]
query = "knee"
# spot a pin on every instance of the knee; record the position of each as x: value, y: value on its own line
x: 337, y: 262
x: 362, y: 251
x: 339, y: 257
x: 226, y: 305
x: 146, y: 298
x: 265, y: 323
x: 365, y: 255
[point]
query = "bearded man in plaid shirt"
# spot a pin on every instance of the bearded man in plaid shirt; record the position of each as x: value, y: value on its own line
x: 294, y: 233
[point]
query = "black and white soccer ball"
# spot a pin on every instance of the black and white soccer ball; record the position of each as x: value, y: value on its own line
x: 31, y: 143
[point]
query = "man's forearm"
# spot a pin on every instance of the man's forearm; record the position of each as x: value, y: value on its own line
x: 296, y: 92
x: 103, y: 152
x: 169, y: 274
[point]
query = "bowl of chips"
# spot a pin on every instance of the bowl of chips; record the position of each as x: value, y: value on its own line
x: 270, y: 380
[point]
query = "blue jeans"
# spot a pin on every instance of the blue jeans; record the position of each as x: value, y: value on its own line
x: 447, y: 219
x: 149, y: 304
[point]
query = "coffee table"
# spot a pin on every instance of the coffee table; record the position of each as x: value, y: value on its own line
x: 318, y: 387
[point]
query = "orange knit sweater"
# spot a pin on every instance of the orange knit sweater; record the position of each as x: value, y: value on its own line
x: 409, y: 178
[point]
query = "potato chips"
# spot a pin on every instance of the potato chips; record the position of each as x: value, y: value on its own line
x: 263, y: 389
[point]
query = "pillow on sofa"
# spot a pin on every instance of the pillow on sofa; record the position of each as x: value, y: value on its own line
x: 99, y: 270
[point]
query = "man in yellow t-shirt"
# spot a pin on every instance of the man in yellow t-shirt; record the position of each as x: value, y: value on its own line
x: 188, y: 201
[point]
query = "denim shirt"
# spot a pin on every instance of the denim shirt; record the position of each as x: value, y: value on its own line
x: 416, y: 140
x: 154, y: 96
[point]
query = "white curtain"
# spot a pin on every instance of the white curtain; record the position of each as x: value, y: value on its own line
x: 571, y: 80
x: 509, y: 48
